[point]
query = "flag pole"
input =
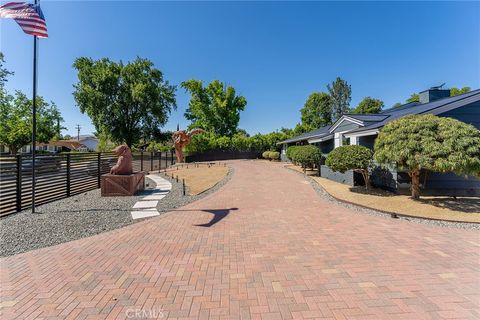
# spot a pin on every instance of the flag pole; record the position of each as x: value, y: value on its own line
x: 34, y: 115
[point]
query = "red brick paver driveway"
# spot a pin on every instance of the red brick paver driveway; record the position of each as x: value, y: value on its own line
x: 285, y: 253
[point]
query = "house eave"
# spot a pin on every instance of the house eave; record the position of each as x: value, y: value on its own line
x: 320, y: 139
x: 362, y: 133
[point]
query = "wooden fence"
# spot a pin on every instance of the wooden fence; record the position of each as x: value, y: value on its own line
x: 63, y: 175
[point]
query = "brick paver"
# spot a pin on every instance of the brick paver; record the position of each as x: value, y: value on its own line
x: 284, y: 254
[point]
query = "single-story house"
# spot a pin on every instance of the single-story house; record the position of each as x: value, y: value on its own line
x: 362, y: 129
x: 83, y: 143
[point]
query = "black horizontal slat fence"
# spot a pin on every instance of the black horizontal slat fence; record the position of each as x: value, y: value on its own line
x: 63, y: 175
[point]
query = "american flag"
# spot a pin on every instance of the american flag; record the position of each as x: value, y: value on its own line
x: 28, y: 16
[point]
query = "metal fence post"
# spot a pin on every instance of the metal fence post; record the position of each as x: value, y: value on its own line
x: 166, y: 159
x: 141, y: 160
x: 151, y: 161
x: 19, y: 183
x: 68, y: 175
x: 99, y: 162
x: 159, y: 160
x: 171, y: 154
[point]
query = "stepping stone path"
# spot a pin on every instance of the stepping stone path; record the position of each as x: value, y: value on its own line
x: 147, y: 206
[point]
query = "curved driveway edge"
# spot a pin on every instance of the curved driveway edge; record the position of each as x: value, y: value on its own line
x: 264, y: 246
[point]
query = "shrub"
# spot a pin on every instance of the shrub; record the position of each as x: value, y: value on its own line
x: 266, y: 154
x: 274, y: 155
x: 291, y: 151
x: 428, y: 142
x: 307, y: 156
x: 356, y: 158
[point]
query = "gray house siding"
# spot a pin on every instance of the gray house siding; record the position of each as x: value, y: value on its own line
x: 346, y: 126
x: 326, y: 146
x: 468, y: 114
x: 346, y: 178
x: 367, y: 141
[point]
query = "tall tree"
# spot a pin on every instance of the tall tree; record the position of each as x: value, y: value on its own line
x: 414, y: 97
x: 215, y: 108
x: 317, y: 110
x: 16, y: 118
x: 456, y: 91
x: 341, y: 94
x: 4, y: 73
x: 369, y: 105
x: 127, y: 101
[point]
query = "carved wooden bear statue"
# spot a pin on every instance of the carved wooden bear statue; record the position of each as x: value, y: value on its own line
x: 125, y: 161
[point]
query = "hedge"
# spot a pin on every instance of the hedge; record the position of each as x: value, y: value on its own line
x: 238, y: 142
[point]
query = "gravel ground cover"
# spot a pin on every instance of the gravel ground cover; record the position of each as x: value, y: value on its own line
x: 82, y: 216
x: 325, y: 195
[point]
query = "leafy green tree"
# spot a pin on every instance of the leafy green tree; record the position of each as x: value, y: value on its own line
x: 301, y: 128
x: 369, y: 105
x: 341, y: 94
x: 16, y: 119
x: 428, y: 142
x: 242, y: 132
x: 215, y: 108
x: 4, y: 73
x: 127, y: 101
x: 414, y: 97
x: 317, y: 110
x: 456, y: 91
x: 396, y: 105
x: 353, y: 157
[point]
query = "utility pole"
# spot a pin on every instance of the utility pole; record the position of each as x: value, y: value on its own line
x: 78, y: 131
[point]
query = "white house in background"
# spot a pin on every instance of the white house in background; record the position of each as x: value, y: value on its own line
x: 85, y: 143
x: 89, y: 141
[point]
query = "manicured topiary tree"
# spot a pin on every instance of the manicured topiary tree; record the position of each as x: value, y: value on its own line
x: 274, y: 155
x: 428, y: 142
x: 353, y: 157
x: 307, y: 156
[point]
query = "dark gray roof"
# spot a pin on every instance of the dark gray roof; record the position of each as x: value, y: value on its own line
x: 308, y: 135
x: 401, y: 107
x: 379, y: 120
x: 366, y: 117
x: 434, y: 107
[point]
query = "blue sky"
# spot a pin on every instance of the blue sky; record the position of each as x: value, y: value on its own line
x: 273, y: 53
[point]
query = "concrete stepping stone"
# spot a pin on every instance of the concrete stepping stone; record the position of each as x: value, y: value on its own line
x: 145, y: 204
x: 155, y: 197
x: 144, y: 214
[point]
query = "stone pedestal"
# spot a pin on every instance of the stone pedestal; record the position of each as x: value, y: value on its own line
x: 122, y: 185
